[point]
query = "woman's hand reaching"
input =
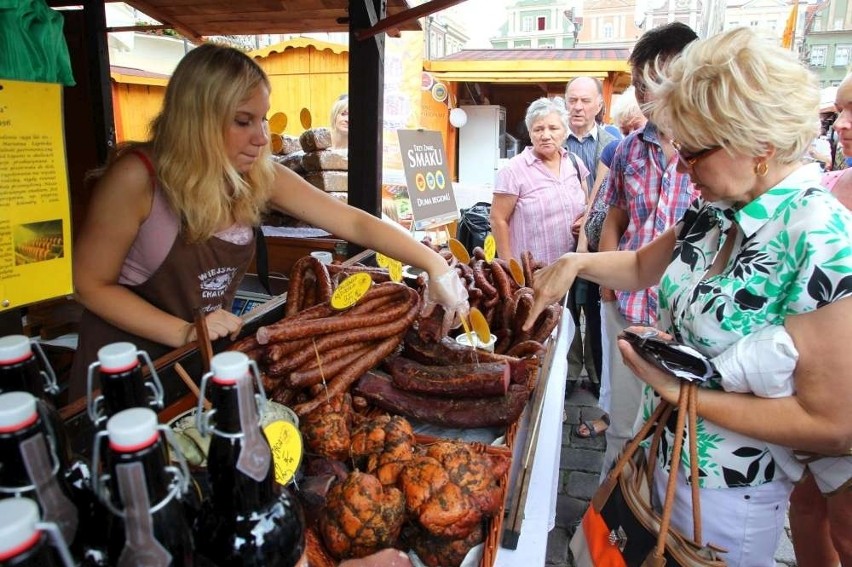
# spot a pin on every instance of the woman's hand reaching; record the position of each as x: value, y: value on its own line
x: 448, y: 291
x: 220, y: 323
x: 551, y: 284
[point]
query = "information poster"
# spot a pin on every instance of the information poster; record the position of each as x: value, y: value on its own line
x: 430, y: 189
x: 35, y: 229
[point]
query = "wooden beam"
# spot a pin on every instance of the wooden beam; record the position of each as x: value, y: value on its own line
x: 163, y: 18
x: 393, y: 22
x: 366, y: 117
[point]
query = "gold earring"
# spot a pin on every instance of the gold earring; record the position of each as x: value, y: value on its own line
x: 761, y: 169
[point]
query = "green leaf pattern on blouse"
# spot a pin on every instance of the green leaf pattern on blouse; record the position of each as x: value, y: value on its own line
x: 794, y: 255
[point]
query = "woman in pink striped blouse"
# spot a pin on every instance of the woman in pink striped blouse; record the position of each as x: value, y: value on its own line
x: 540, y: 196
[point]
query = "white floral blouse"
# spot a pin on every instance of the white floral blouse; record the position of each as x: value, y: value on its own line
x: 793, y: 254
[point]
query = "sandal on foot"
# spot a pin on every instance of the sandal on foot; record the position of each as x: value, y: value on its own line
x: 591, y: 429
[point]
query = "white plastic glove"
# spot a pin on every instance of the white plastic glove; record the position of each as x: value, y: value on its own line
x: 448, y: 291
x: 762, y: 363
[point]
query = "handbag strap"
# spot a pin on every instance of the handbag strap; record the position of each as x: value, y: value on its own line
x: 687, y: 410
x: 608, y: 485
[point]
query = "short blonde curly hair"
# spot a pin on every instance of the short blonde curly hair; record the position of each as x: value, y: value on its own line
x: 737, y: 91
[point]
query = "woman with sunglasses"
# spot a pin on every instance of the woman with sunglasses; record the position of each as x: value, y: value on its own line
x: 755, y: 276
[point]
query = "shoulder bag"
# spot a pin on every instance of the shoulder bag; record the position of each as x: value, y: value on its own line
x: 621, y: 528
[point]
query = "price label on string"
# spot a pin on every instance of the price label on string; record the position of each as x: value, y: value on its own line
x: 490, y: 246
x: 351, y: 290
x: 286, y: 444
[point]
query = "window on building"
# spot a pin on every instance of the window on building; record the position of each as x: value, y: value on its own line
x: 817, y: 25
x: 607, y: 31
x: 817, y: 57
x: 842, y: 55
x: 754, y: 23
x: 838, y: 24
x: 547, y: 43
x: 527, y: 24
x: 541, y: 23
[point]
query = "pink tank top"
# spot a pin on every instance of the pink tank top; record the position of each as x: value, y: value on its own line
x: 157, y: 235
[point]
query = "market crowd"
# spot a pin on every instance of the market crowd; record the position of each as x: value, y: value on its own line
x: 712, y: 213
x: 717, y: 216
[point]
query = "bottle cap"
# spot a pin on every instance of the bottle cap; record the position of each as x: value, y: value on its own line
x: 117, y: 357
x: 228, y: 367
x: 14, y: 349
x: 17, y: 531
x: 132, y: 429
x: 17, y: 410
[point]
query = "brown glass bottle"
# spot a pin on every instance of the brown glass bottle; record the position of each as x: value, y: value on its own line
x: 121, y: 381
x: 24, y: 541
x: 249, y: 520
x: 148, y: 524
x: 31, y: 467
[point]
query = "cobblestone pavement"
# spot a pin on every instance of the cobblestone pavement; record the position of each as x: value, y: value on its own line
x: 578, y: 478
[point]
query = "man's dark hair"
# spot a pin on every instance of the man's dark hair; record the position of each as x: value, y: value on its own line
x: 664, y: 42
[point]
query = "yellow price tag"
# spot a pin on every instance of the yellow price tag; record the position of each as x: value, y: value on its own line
x: 480, y: 325
x: 286, y: 444
x: 459, y: 251
x: 351, y: 290
x: 395, y: 270
x: 517, y: 272
x: 490, y: 246
x: 382, y: 261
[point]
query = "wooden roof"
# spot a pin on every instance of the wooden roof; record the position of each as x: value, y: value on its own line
x: 532, y: 65
x: 197, y: 18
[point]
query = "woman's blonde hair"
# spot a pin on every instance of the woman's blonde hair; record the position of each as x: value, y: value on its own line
x: 737, y: 91
x: 337, y: 108
x: 188, y: 142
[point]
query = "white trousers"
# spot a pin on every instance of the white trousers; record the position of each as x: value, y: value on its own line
x: 747, y: 521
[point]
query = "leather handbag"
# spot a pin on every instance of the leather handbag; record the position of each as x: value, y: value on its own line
x: 621, y: 528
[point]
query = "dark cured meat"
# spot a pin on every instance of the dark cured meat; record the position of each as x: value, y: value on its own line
x: 377, y: 387
x: 463, y: 380
x: 294, y: 328
x: 341, y: 383
x: 448, y: 352
x: 526, y: 348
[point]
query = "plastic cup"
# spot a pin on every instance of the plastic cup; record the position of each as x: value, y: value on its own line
x: 462, y: 339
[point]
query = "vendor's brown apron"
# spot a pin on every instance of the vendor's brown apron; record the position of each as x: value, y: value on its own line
x: 201, y: 276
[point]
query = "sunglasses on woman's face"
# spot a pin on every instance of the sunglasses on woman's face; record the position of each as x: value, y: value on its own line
x: 689, y: 159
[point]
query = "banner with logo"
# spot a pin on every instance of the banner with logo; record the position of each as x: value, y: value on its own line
x: 433, y: 202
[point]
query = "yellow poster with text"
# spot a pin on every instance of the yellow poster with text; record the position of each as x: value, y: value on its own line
x: 35, y: 228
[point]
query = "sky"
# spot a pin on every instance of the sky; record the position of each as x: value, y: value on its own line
x: 482, y: 18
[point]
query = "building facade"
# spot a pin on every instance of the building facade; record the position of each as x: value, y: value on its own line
x: 538, y: 24
x: 826, y: 45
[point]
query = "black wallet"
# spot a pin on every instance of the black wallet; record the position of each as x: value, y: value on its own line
x: 683, y: 361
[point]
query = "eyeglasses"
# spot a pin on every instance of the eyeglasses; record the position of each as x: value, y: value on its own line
x: 690, y: 159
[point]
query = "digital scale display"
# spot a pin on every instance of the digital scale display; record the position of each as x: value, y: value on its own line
x: 243, y: 305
